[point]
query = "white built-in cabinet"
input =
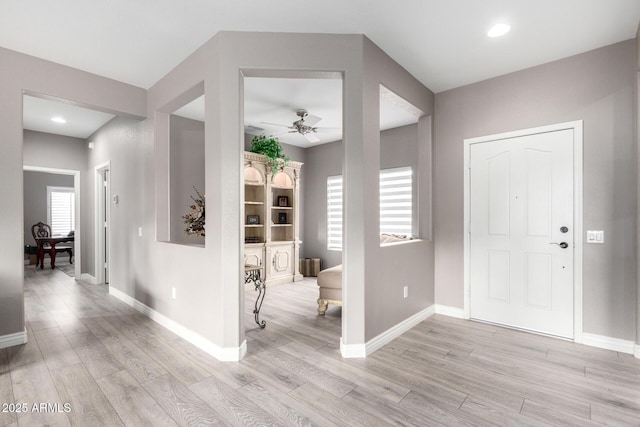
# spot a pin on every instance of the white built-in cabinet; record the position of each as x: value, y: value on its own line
x: 272, y: 218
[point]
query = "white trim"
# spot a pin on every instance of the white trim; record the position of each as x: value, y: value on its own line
x: 11, y: 340
x: 363, y: 350
x: 77, y: 242
x: 608, y: 343
x: 352, y: 351
x: 88, y: 278
x: 98, y: 250
x: 446, y: 310
x: 576, y: 126
x: 225, y: 354
x: 58, y: 189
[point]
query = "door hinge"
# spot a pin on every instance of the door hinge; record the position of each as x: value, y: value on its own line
x: 105, y: 224
x: 104, y: 183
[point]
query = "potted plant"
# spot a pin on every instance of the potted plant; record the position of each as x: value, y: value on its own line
x: 270, y: 147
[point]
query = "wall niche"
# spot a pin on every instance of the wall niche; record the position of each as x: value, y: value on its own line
x: 186, y: 171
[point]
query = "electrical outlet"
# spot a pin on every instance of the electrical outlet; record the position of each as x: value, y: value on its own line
x: 139, y: 231
x: 406, y: 291
x: 173, y: 293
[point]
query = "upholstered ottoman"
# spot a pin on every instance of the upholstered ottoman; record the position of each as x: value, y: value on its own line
x: 330, y: 284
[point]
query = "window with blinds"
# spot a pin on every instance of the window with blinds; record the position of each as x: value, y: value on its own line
x: 334, y: 212
x: 396, y: 205
x: 396, y: 200
x: 61, y: 210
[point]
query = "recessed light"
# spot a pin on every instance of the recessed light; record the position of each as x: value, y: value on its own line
x: 499, y: 30
x: 58, y: 119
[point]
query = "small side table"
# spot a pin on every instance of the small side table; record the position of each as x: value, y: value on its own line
x: 252, y: 275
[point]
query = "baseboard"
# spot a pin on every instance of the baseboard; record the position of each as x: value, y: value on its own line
x: 446, y: 310
x: 636, y: 353
x: 363, y: 350
x: 352, y: 351
x: 11, y: 340
x: 609, y: 343
x: 224, y: 354
x: 88, y: 278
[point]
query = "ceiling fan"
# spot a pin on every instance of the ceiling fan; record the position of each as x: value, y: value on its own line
x: 304, y: 125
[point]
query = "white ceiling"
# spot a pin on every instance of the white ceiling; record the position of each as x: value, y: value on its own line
x: 270, y: 107
x: 80, y: 122
x: 442, y: 43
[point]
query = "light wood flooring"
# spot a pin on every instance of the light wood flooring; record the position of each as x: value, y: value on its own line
x: 113, y: 366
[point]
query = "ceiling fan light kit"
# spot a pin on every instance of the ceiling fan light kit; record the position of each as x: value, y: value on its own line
x: 306, y: 129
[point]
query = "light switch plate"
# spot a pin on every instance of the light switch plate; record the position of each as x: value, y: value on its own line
x: 595, y: 236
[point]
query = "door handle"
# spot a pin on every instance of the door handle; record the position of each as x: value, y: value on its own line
x: 563, y: 245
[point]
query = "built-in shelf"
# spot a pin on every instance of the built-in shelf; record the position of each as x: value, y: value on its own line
x: 273, y: 197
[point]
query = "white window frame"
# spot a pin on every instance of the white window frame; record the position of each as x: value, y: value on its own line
x: 50, y: 191
x: 396, y: 201
x: 334, y: 212
x: 395, y: 185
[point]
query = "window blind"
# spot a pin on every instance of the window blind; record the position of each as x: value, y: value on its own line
x: 396, y: 204
x: 396, y: 198
x: 334, y: 212
x: 61, y: 210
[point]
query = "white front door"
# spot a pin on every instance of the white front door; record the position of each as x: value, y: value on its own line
x: 522, y: 233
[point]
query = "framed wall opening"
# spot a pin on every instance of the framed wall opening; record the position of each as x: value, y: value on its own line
x: 287, y: 195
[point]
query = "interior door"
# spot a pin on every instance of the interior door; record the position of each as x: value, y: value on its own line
x: 521, y: 232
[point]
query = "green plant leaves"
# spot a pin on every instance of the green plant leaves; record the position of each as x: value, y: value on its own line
x: 271, y: 148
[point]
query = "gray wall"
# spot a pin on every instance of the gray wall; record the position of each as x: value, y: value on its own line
x: 35, y: 198
x: 187, y: 171
x: 387, y: 269
x: 121, y: 143
x: 20, y: 73
x: 596, y: 87
x: 398, y: 147
x: 63, y: 152
x: 211, y: 303
x: 322, y: 162
x: 637, y: 138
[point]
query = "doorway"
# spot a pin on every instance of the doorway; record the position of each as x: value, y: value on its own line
x: 284, y: 208
x: 523, y: 211
x: 42, y: 210
x: 102, y: 226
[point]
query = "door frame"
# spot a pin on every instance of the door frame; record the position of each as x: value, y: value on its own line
x: 77, y: 244
x: 99, y: 206
x: 576, y: 126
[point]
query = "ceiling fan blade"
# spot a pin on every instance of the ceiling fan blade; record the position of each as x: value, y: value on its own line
x: 311, y: 120
x: 275, y: 124
x: 311, y: 137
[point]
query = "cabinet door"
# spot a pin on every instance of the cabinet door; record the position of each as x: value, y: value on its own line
x: 253, y: 256
x: 281, y: 260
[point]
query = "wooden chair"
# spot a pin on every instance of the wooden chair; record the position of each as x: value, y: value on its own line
x: 44, y: 230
